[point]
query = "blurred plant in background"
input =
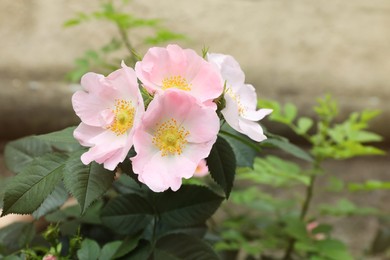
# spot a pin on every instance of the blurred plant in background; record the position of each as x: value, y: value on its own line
x: 269, y: 214
x: 105, y: 59
x: 269, y: 225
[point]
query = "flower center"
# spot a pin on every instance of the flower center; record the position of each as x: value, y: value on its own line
x: 124, y: 117
x: 241, y: 107
x: 175, y: 82
x: 170, y: 138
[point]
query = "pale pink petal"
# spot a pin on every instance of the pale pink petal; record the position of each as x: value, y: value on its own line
x: 246, y: 93
x: 252, y: 129
x: 92, y: 82
x: 256, y: 115
x: 164, y: 169
x: 229, y: 67
x: 159, y: 176
x: 98, y: 108
x: 84, y: 133
x: 203, y: 78
x: 230, y: 112
x: 202, y: 169
x: 89, y: 107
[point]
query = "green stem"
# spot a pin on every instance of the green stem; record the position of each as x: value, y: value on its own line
x: 305, y: 207
x: 125, y: 38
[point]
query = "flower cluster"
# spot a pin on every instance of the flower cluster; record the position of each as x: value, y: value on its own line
x: 174, y: 134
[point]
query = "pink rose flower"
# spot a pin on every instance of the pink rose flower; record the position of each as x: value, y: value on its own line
x: 241, y: 99
x: 176, y: 133
x: 109, y: 108
x: 174, y: 67
x: 202, y: 169
x: 310, y: 228
x: 49, y: 257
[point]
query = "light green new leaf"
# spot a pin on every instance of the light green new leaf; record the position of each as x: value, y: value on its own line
x: 304, y: 124
x: 86, y: 183
x: 369, y: 185
x: 274, y: 171
x: 26, y: 191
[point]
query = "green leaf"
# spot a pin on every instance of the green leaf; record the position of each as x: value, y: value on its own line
x: 27, y: 190
x: 164, y: 35
x: 127, y: 214
x: 55, y: 200
x: 297, y: 229
x: 127, y: 245
x: 21, y: 152
x: 89, y: 250
x: 335, y: 184
x: 181, y: 246
x: 222, y: 165
x: 290, y: 148
x: 369, y: 185
x: 304, y: 124
x: 142, y: 251
x: 62, y: 140
x: 344, y: 207
x: 290, y: 112
x: 17, y: 235
x: 274, y: 171
x: 86, y: 182
x: 333, y: 249
x: 188, y: 206
x: 108, y: 251
x: 244, y: 154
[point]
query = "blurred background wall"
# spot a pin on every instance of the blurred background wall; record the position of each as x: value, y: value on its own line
x: 290, y: 50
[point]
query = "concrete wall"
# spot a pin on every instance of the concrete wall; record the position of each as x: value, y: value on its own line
x: 291, y: 50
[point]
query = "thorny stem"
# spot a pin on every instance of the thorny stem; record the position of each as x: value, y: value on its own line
x: 125, y: 38
x: 305, y: 206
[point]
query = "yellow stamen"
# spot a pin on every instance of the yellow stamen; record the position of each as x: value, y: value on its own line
x: 170, y: 138
x: 176, y: 82
x: 124, y: 117
x: 241, y: 108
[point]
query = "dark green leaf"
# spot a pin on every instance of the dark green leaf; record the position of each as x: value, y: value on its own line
x: 21, y: 152
x: 188, y: 206
x: 290, y: 148
x: 244, y: 154
x: 89, y: 250
x: 127, y: 245
x: 109, y: 249
x: 55, y: 200
x: 141, y: 252
x: 222, y: 164
x: 27, y: 190
x: 181, y: 246
x: 62, y: 140
x: 127, y: 214
x: 17, y: 235
x: 86, y: 182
